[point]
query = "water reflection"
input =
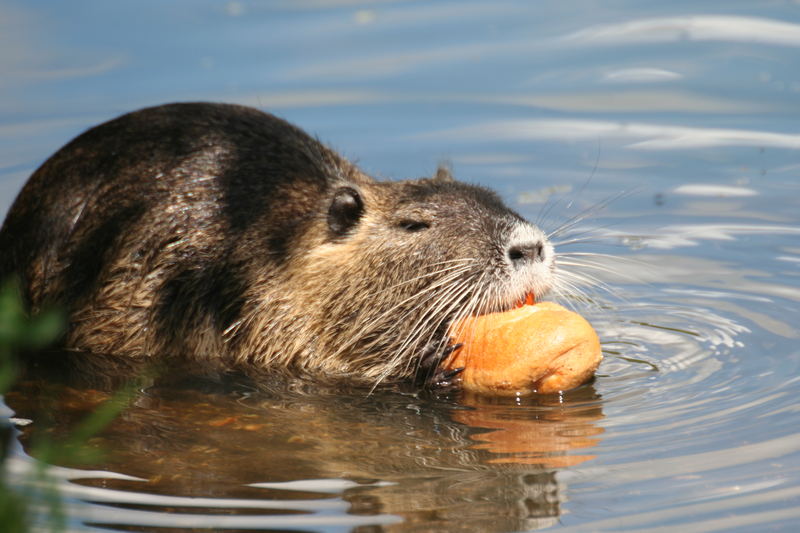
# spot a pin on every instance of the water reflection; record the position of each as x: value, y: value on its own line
x: 639, y: 136
x: 689, y: 28
x: 383, y: 457
x: 641, y: 75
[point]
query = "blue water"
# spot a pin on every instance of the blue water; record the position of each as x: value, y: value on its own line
x: 673, y: 126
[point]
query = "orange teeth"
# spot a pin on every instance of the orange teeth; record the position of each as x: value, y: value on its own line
x: 529, y: 299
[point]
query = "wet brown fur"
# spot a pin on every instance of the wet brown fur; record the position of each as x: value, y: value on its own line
x: 200, y: 231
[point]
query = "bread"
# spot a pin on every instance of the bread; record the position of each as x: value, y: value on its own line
x: 542, y: 348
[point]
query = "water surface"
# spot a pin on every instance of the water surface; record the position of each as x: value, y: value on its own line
x: 672, y: 127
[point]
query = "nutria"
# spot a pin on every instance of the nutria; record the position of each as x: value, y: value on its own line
x: 222, y: 235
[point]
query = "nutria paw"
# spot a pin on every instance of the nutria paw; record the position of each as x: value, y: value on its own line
x: 432, y: 375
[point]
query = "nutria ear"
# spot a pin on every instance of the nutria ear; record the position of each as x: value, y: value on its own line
x: 345, y: 210
x: 443, y: 173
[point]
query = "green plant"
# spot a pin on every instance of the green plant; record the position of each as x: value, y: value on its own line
x: 20, y: 332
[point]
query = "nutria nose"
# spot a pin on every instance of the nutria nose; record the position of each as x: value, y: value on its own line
x: 530, y: 252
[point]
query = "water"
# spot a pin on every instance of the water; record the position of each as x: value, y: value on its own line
x: 673, y: 124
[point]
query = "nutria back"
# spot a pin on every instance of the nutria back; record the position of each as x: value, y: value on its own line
x: 223, y: 235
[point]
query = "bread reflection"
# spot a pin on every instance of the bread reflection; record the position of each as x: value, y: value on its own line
x: 545, y: 439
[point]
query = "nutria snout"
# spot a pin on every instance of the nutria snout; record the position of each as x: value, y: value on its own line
x: 224, y: 235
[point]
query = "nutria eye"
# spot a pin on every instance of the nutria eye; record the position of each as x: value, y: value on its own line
x: 345, y: 210
x: 413, y: 226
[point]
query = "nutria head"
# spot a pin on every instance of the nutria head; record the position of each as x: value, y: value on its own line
x: 385, y: 267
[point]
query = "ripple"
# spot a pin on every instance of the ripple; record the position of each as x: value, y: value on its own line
x: 689, y: 390
x: 107, y: 506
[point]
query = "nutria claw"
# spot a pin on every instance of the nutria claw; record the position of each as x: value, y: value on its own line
x: 445, y: 380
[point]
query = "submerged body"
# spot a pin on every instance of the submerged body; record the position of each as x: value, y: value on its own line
x: 225, y: 236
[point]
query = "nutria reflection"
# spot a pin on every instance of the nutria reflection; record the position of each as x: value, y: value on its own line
x: 475, y: 464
